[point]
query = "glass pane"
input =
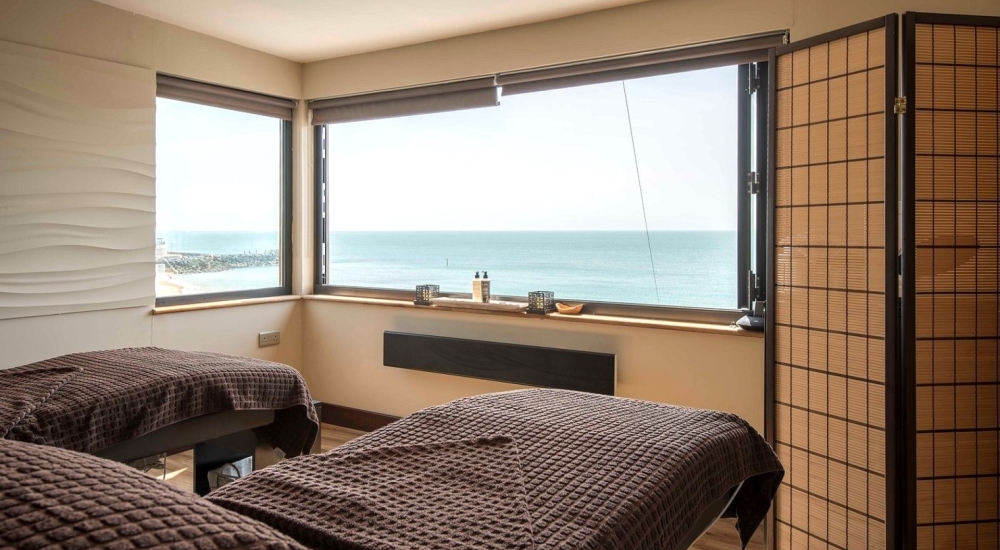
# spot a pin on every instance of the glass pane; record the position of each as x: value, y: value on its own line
x: 542, y: 193
x: 218, y: 181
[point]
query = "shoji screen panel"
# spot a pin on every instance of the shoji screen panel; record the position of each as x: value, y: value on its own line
x: 831, y: 249
x: 953, y: 233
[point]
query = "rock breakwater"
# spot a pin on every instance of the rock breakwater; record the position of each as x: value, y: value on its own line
x: 212, y: 263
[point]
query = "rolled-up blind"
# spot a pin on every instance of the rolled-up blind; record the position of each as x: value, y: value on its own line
x: 703, y: 56
x: 171, y: 87
x: 451, y: 96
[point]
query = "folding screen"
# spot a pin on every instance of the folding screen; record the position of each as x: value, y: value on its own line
x: 950, y: 301
x: 834, y: 250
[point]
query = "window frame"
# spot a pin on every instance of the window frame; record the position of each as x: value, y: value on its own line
x: 751, y: 231
x: 285, y: 237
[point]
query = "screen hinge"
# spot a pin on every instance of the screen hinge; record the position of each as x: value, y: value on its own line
x: 753, y: 183
x: 753, y: 288
x: 754, y: 81
x: 899, y: 105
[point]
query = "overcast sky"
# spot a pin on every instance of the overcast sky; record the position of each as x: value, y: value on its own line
x: 216, y: 170
x: 557, y: 160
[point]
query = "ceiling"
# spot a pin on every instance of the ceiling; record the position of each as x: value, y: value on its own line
x: 309, y: 30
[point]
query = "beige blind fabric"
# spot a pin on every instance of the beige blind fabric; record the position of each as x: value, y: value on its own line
x: 171, y: 87
x: 830, y: 257
x: 452, y: 96
x: 956, y: 239
x: 719, y: 54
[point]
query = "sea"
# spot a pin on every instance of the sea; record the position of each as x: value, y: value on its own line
x: 687, y: 268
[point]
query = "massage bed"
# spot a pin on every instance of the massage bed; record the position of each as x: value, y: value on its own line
x: 534, y: 469
x: 128, y: 404
x: 531, y: 469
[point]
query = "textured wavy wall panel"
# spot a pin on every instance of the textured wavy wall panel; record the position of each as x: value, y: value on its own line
x: 77, y: 193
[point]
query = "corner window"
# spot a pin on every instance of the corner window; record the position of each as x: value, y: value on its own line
x: 621, y: 192
x: 222, y: 194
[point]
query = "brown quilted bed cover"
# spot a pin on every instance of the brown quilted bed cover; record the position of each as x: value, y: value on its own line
x: 90, y: 401
x: 534, y: 469
x: 54, y: 498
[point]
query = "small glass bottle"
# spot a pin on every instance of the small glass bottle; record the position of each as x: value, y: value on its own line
x: 485, y: 286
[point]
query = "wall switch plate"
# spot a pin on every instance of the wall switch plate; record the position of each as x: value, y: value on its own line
x: 269, y: 338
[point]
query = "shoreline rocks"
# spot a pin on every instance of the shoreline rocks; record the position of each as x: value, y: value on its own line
x: 183, y: 264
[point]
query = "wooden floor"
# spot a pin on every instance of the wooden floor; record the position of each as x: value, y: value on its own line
x: 722, y: 535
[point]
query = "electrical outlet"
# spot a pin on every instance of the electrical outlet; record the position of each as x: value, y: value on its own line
x: 269, y: 338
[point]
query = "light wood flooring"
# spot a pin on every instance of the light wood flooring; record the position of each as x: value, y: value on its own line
x: 722, y: 535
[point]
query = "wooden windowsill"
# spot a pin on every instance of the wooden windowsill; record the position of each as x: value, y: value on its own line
x: 707, y: 328
x: 224, y: 304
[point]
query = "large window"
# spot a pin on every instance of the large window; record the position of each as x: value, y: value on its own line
x: 221, y: 196
x: 629, y: 191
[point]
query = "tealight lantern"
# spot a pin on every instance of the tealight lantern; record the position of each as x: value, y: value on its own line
x: 541, y: 301
x: 425, y: 293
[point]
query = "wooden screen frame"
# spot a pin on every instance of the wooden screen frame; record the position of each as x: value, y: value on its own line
x: 908, y: 302
x: 896, y: 443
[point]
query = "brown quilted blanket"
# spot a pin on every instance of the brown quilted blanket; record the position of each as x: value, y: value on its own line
x: 90, y: 401
x: 54, y: 498
x: 525, y: 469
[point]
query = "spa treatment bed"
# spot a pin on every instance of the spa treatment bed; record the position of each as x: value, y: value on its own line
x: 127, y: 404
x: 532, y: 469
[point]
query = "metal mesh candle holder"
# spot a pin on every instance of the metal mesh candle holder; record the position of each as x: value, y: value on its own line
x: 425, y: 293
x: 541, y: 302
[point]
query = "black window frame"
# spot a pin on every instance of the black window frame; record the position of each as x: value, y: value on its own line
x: 751, y: 180
x: 285, y: 231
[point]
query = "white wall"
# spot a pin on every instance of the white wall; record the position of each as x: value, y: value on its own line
x: 137, y: 44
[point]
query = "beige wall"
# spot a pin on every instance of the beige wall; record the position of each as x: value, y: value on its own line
x: 342, y: 359
x: 338, y: 346
x: 234, y: 330
x: 638, y: 27
x: 342, y: 353
x: 90, y: 29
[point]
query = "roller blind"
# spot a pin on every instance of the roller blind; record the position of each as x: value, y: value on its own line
x: 452, y: 96
x: 703, y: 56
x: 171, y: 87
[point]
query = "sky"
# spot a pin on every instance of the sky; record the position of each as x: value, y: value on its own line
x: 554, y: 160
x: 216, y: 169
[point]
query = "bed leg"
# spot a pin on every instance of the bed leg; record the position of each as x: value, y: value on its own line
x: 216, y: 452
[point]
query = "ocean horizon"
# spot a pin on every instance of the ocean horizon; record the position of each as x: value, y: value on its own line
x: 692, y: 268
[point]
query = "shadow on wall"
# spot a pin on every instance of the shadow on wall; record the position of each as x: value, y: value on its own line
x: 511, y: 334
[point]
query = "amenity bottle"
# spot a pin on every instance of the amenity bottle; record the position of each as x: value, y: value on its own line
x: 477, y: 289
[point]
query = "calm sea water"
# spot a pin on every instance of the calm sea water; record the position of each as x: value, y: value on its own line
x: 693, y: 268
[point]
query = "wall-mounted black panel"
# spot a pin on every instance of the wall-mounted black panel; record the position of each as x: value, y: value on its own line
x: 528, y: 365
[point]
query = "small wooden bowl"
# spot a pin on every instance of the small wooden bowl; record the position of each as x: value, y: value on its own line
x: 567, y: 309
